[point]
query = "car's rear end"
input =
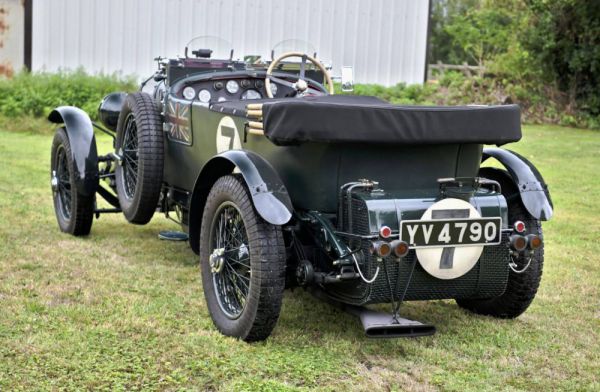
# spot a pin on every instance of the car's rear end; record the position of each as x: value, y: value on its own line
x: 390, y: 203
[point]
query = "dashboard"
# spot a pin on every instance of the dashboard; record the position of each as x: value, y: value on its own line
x: 219, y: 90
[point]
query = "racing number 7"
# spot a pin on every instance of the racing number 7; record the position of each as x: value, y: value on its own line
x: 228, y: 132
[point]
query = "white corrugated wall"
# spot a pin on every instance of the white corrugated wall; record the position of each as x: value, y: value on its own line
x: 385, y: 40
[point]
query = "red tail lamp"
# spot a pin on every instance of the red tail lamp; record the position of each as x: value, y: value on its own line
x: 519, y: 226
x: 385, y: 232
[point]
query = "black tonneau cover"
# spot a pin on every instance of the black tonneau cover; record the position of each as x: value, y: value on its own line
x: 359, y: 119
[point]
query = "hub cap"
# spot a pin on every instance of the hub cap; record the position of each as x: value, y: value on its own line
x: 230, y: 260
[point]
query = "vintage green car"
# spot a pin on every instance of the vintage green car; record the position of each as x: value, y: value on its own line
x: 278, y: 183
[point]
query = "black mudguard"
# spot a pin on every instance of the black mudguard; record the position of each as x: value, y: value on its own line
x: 532, y: 187
x: 83, y: 146
x: 269, y: 194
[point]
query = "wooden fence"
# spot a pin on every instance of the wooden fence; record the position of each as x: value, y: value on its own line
x: 436, y: 70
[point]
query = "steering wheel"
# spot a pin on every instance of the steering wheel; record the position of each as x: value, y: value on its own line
x: 301, y: 85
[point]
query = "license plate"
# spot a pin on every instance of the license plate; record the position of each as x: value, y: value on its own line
x: 451, y: 232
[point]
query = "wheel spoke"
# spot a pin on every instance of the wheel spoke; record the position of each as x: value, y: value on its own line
x: 130, y: 156
x: 232, y: 278
x: 280, y: 81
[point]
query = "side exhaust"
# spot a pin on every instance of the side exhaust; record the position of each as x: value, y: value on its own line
x: 384, y: 325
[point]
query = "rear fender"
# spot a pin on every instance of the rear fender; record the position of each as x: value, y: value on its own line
x: 269, y: 195
x: 532, y: 187
x: 83, y: 146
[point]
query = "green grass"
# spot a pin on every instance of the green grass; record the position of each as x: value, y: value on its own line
x: 123, y: 310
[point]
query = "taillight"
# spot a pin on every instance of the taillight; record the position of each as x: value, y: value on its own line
x: 534, y: 241
x: 519, y: 226
x: 518, y: 242
x: 385, y: 232
x: 400, y: 248
x: 381, y: 248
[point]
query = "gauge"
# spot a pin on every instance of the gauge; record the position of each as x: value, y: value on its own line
x: 189, y: 93
x: 273, y: 88
x: 232, y: 87
x: 218, y: 85
x: 251, y: 94
x: 204, y: 96
x: 222, y: 99
x: 259, y: 84
x: 245, y: 83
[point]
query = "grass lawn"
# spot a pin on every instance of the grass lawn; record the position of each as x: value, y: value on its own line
x: 123, y: 310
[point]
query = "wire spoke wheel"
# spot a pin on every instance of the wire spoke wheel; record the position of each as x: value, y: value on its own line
x: 74, y: 208
x: 242, y: 260
x: 230, y: 260
x: 130, y: 156
x: 64, y: 183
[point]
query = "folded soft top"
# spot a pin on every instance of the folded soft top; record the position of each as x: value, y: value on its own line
x: 359, y: 119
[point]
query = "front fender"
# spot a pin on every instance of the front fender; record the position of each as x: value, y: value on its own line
x: 269, y: 194
x: 532, y: 187
x: 83, y: 146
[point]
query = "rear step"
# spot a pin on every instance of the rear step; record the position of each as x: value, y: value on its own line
x: 383, y: 325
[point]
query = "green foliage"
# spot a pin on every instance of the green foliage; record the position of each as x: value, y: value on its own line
x: 36, y: 94
x: 442, y: 46
x: 482, y: 32
x: 565, y: 35
x: 542, y: 54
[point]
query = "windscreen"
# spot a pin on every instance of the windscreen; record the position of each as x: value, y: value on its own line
x: 221, y: 49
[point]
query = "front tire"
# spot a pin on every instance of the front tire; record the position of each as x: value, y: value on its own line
x: 521, y: 287
x: 242, y: 260
x: 74, y: 210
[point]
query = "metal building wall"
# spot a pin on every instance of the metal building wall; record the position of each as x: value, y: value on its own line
x: 385, y: 40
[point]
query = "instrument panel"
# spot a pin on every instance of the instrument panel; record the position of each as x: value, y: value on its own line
x: 212, y: 91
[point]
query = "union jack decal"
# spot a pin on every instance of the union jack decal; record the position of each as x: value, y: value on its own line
x: 178, y: 121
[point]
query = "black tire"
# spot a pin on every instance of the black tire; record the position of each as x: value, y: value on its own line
x: 521, y: 288
x: 74, y: 211
x: 254, y: 317
x: 140, y: 144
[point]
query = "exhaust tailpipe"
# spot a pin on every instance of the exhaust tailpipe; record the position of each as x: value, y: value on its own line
x: 384, y: 325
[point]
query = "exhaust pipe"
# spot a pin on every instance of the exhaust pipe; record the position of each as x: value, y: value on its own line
x: 379, y: 324
x: 384, y: 325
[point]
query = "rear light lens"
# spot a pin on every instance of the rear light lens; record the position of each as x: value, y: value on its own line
x: 518, y: 242
x: 519, y: 226
x: 400, y: 248
x: 385, y: 232
x: 534, y: 241
x: 381, y: 248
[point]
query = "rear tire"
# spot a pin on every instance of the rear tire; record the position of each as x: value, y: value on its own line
x: 521, y: 288
x: 140, y: 144
x: 243, y: 288
x: 74, y: 211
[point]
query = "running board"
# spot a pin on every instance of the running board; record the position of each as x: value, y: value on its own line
x: 384, y: 325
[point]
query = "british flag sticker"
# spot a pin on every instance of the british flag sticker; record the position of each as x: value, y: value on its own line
x: 178, y: 121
